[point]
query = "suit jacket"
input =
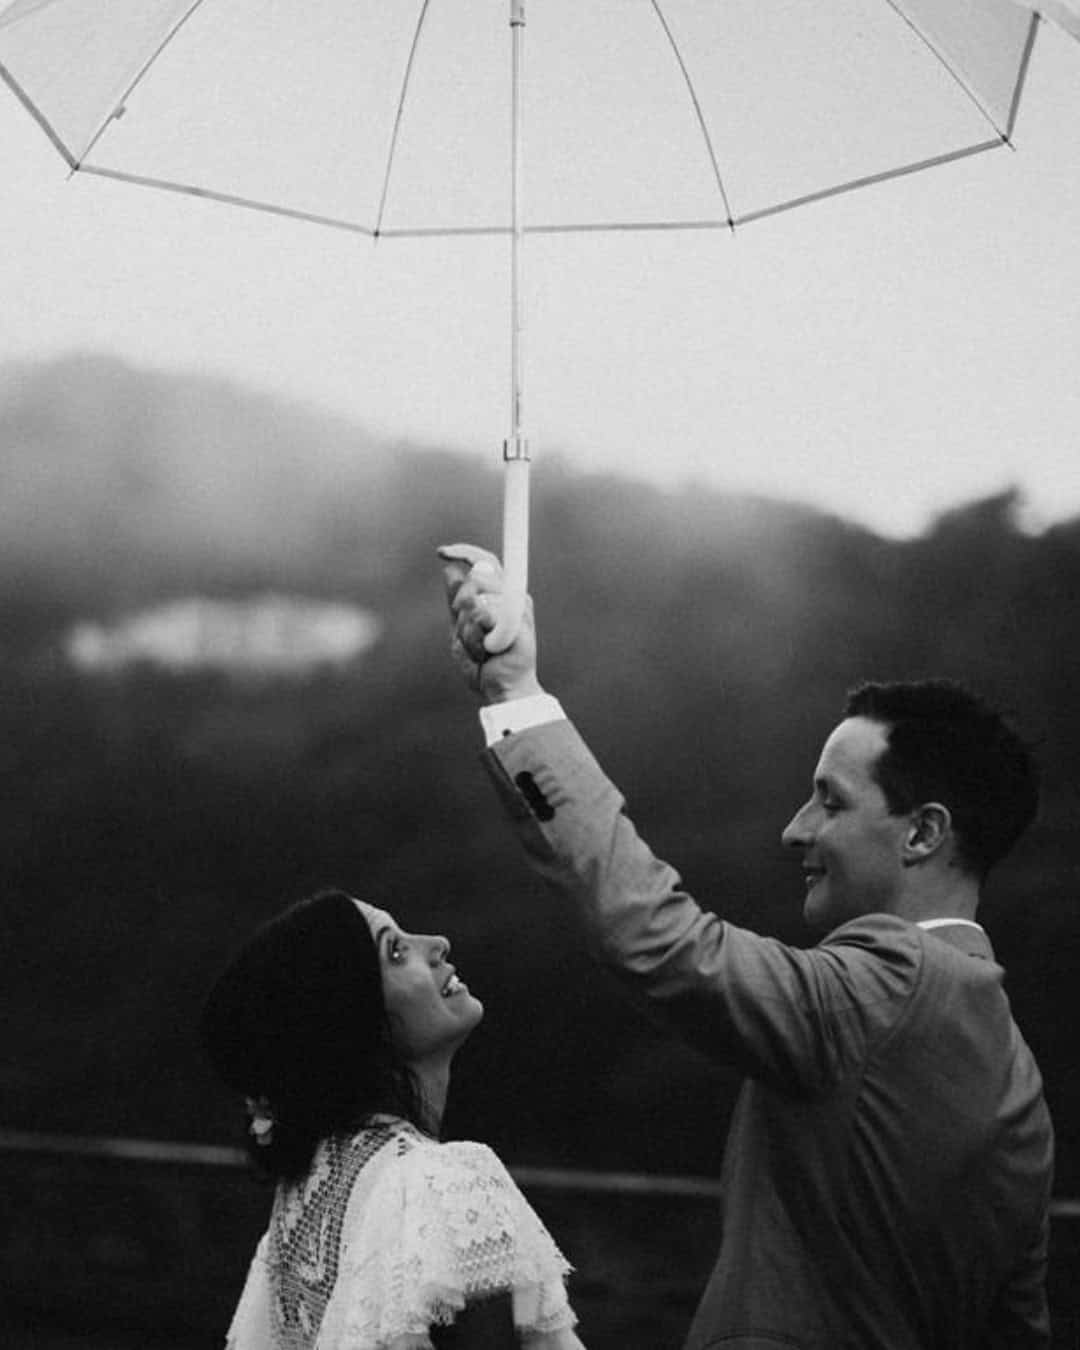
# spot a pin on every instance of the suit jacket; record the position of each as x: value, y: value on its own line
x: 888, y: 1167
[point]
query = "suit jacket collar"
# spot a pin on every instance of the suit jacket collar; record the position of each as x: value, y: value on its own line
x: 970, y: 941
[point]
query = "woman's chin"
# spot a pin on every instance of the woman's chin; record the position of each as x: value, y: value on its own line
x: 469, y: 1014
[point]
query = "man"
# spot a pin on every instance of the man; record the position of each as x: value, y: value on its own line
x: 887, y: 1174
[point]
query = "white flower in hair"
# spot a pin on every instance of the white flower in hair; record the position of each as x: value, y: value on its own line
x: 262, y: 1120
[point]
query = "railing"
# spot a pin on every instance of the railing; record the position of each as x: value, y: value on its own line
x: 118, y: 1243
x: 551, y: 1178
x: 210, y: 1155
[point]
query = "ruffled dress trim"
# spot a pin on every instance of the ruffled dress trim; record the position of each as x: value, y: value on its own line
x: 421, y: 1229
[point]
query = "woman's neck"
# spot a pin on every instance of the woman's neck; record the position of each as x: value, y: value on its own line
x: 432, y: 1079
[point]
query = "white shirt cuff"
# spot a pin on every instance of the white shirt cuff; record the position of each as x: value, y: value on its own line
x: 504, y: 719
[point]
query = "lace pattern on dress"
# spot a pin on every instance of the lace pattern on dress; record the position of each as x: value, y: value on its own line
x: 305, y: 1236
x: 450, y: 1226
x: 390, y: 1234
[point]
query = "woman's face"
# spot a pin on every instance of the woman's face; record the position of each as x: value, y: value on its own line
x: 431, y: 1011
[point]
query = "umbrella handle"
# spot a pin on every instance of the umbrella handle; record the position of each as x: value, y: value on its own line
x: 515, y: 553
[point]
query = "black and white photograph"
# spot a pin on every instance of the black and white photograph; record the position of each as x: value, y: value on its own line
x: 540, y: 757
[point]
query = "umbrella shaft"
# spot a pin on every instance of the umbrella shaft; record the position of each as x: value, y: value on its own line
x: 515, y: 550
x: 517, y: 325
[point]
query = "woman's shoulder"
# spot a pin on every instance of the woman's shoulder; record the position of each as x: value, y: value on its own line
x: 465, y: 1156
x: 459, y: 1189
x: 400, y: 1141
x: 446, y: 1173
x: 397, y: 1151
x: 446, y: 1222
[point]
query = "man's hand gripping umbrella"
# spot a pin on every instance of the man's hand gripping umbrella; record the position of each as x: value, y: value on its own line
x: 494, y: 639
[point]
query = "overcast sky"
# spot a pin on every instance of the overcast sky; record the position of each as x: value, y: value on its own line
x: 885, y: 355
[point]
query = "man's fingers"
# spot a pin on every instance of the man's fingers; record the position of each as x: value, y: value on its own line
x: 468, y: 563
x: 486, y: 616
x: 467, y: 553
x: 467, y: 604
x: 469, y: 634
x: 508, y: 620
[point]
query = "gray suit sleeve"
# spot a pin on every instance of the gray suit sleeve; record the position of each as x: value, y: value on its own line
x: 798, y: 1019
x: 1020, y: 1319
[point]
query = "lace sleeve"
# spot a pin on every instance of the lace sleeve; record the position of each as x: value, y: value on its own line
x: 441, y: 1225
x: 251, y: 1328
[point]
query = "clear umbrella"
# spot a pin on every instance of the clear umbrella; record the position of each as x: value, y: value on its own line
x: 408, y: 119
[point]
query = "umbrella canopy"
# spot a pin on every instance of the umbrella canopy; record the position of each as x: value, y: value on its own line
x: 396, y: 120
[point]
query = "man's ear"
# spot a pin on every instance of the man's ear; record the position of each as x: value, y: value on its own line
x: 931, y: 825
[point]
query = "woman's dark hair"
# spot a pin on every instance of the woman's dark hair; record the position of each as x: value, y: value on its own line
x: 946, y: 744
x: 298, y: 1018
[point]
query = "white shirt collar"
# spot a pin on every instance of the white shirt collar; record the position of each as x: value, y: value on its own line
x: 944, y: 923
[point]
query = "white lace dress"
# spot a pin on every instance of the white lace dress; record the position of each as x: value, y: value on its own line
x: 390, y: 1234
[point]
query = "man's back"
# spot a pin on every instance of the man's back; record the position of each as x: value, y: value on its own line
x: 902, y: 1203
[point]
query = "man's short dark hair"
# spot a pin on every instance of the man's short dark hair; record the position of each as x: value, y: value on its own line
x: 945, y: 744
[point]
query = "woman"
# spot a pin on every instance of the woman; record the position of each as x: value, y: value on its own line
x: 339, y: 1029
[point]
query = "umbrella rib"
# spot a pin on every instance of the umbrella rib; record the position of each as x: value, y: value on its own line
x: 574, y: 227
x: 748, y: 217
x: 697, y: 109
x: 1025, y: 62
x: 139, y: 76
x: 38, y: 116
x: 870, y: 179
x: 190, y: 190
x: 398, y: 115
x: 950, y: 69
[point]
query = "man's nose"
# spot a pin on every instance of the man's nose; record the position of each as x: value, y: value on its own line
x: 796, y: 833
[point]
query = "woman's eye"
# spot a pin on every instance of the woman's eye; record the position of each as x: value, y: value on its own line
x: 394, y: 950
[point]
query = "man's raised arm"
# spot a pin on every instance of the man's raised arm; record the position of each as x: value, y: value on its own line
x: 737, y: 996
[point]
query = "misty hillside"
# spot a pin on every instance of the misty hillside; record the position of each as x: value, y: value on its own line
x: 120, y: 486
x: 194, y: 481
x: 703, y: 642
